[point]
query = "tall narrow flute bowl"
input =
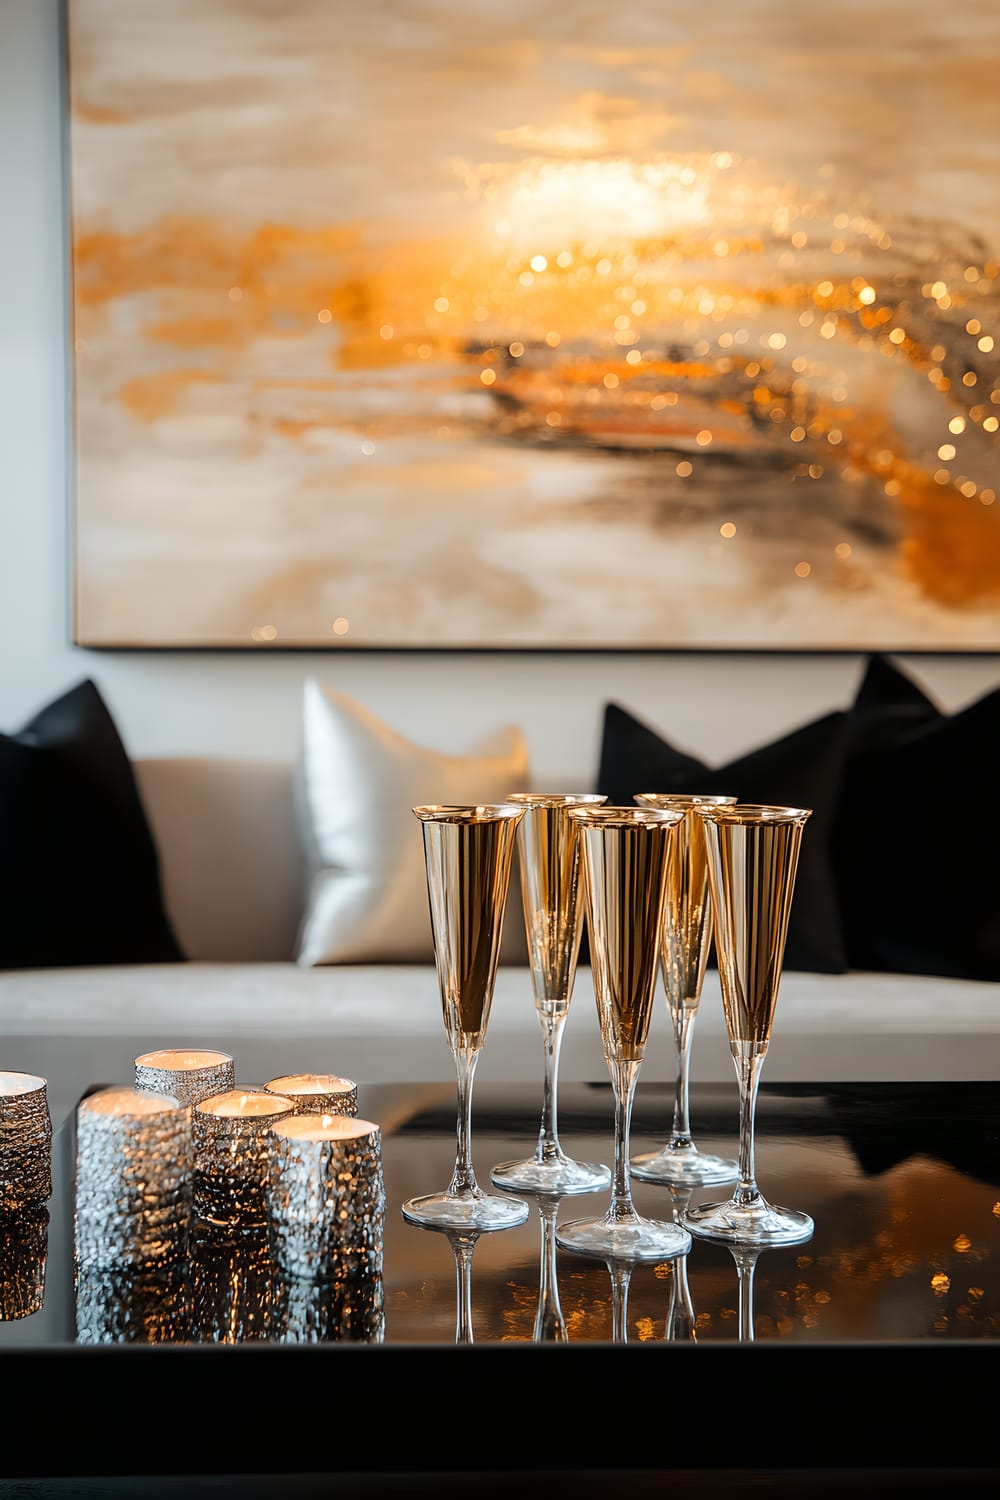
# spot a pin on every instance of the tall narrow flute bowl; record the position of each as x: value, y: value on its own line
x: 753, y: 856
x: 468, y: 853
x: 625, y: 853
x: 687, y: 937
x: 548, y: 849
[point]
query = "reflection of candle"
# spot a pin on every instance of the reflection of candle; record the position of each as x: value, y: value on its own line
x: 326, y: 1196
x: 25, y: 1141
x: 24, y: 1239
x: 136, y: 1304
x: 231, y: 1149
x: 190, y: 1074
x: 347, y: 1311
x: 133, y: 1178
x: 317, y: 1093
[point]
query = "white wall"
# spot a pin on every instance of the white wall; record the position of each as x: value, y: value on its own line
x: 712, y: 705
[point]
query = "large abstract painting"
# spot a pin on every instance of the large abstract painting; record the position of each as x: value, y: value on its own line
x: 429, y: 324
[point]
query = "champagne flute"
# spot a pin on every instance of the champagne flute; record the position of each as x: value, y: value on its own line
x: 625, y: 852
x: 753, y: 855
x: 549, y: 857
x: 687, y: 936
x: 467, y: 853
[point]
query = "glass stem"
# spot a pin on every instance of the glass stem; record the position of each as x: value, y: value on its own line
x: 463, y: 1179
x: 749, y: 1059
x: 680, y: 1138
x: 623, y: 1078
x: 548, y: 1148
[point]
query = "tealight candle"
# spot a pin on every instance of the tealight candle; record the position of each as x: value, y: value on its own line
x: 133, y: 1178
x: 231, y: 1147
x: 326, y: 1196
x: 25, y: 1141
x: 190, y: 1074
x: 317, y: 1093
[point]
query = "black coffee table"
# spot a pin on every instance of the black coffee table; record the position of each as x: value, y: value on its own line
x: 876, y: 1344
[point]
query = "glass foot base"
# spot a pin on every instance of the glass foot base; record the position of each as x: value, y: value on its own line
x: 561, y: 1176
x: 469, y: 1211
x: 759, y: 1223
x: 683, y: 1164
x: 635, y: 1239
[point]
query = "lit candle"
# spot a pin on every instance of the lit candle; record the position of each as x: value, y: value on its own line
x: 190, y: 1074
x: 25, y: 1141
x: 231, y: 1147
x: 317, y: 1093
x: 133, y: 1178
x: 326, y: 1196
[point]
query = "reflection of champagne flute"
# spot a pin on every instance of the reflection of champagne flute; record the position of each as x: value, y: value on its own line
x: 620, y: 1272
x: 753, y: 855
x: 549, y: 857
x: 681, y: 1321
x: 687, y: 936
x: 468, y: 853
x: 463, y: 1243
x: 625, y: 853
x: 746, y: 1258
x: 550, y: 1325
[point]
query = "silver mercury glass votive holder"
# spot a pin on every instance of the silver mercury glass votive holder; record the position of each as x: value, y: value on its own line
x: 133, y: 1178
x: 317, y: 1093
x: 25, y: 1142
x: 232, y: 1147
x: 190, y: 1074
x: 326, y: 1196
x: 24, y: 1244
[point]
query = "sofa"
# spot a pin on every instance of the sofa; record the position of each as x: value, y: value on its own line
x: 228, y: 838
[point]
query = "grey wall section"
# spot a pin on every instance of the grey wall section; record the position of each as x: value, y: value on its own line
x: 713, y: 705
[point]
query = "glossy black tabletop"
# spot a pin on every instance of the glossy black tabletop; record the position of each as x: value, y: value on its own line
x: 897, y: 1293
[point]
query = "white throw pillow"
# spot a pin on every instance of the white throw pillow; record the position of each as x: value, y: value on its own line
x: 358, y: 782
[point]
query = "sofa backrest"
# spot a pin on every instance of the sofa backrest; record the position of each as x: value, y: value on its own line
x: 232, y: 867
x: 230, y: 859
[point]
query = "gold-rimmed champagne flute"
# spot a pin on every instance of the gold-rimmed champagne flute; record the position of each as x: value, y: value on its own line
x: 625, y: 853
x: 753, y: 856
x: 468, y: 853
x: 687, y: 937
x: 549, y: 857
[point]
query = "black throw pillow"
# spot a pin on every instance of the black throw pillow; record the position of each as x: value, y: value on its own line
x: 801, y: 769
x: 79, y: 872
x: 917, y: 831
